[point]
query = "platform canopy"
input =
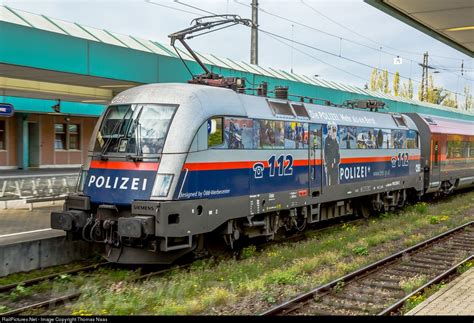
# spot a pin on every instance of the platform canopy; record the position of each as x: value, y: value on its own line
x: 449, y: 21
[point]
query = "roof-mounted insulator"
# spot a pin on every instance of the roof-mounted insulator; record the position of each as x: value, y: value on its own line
x: 372, y: 105
x: 262, y: 90
x: 281, y: 92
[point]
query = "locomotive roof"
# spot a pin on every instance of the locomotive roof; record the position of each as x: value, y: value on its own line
x: 214, y: 101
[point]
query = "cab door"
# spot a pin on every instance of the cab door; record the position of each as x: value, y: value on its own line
x: 314, y: 160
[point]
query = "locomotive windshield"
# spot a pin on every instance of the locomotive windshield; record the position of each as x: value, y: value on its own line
x: 138, y: 129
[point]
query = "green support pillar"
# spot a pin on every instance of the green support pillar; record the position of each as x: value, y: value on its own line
x: 26, y: 157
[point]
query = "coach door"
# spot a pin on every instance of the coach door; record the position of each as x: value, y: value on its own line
x: 435, y: 163
x: 314, y: 160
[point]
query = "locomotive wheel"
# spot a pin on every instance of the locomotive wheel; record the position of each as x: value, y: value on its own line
x: 215, y: 245
x: 363, y: 208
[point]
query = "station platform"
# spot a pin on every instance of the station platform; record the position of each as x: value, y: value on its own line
x: 31, y: 172
x: 19, y: 224
x: 457, y: 298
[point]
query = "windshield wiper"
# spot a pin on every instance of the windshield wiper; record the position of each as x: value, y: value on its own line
x: 137, y: 128
x: 118, y: 125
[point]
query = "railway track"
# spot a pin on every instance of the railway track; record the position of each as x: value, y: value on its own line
x: 37, y: 280
x: 383, y: 287
x: 57, y: 301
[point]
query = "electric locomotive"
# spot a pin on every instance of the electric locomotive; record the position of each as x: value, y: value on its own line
x: 175, y: 168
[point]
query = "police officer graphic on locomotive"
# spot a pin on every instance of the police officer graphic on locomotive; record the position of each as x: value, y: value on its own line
x: 160, y: 182
x: 331, y: 155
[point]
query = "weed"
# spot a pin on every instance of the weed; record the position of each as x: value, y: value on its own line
x: 217, y: 296
x: 437, y: 219
x: 248, y: 252
x: 4, y: 308
x: 339, y: 286
x: 349, y: 227
x: 360, y: 251
x: 63, y: 278
x: 269, y: 299
x: 413, y: 239
x: 20, y: 292
x: 81, y: 312
x: 465, y: 266
x: 421, y: 208
x: 412, y: 283
x: 281, y: 277
x: 413, y: 301
x: 418, y: 298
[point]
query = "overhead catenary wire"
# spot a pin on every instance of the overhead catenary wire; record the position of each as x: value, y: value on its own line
x: 367, y: 38
x: 317, y: 59
x: 315, y: 48
x: 379, y: 49
x: 341, y: 57
x: 273, y: 37
x: 173, y: 8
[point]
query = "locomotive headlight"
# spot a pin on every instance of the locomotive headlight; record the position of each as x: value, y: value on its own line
x: 162, y: 185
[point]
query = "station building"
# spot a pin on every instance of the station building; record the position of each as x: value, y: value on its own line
x: 59, y: 76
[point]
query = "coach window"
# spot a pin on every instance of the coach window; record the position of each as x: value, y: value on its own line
x: 455, y: 150
x: 215, y: 138
x: 296, y: 135
x: 348, y: 137
x: 412, y: 139
x: 366, y: 138
x: 465, y: 149
x: 271, y: 134
x: 3, y: 145
x: 238, y: 133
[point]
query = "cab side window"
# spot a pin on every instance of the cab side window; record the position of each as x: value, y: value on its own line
x: 215, y: 138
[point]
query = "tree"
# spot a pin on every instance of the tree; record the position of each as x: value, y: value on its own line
x: 468, y: 97
x: 380, y: 81
x: 432, y: 94
x: 407, y: 90
x: 373, y: 79
x: 450, y: 101
x: 396, y: 84
x: 385, y: 82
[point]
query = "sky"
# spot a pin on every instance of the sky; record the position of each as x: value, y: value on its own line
x: 345, y: 28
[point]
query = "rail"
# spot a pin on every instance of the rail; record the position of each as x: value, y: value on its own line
x: 37, y: 188
x: 438, y: 264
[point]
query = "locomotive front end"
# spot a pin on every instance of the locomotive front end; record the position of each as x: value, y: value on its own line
x: 116, y: 202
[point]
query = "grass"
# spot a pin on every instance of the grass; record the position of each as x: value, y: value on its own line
x: 261, y: 278
x: 412, y: 283
x: 19, y: 277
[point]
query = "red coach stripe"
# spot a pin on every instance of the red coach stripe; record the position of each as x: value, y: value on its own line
x: 365, y: 159
x: 125, y: 165
x: 237, y: 165
x: 300, y: 162
x: 218, y: 165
